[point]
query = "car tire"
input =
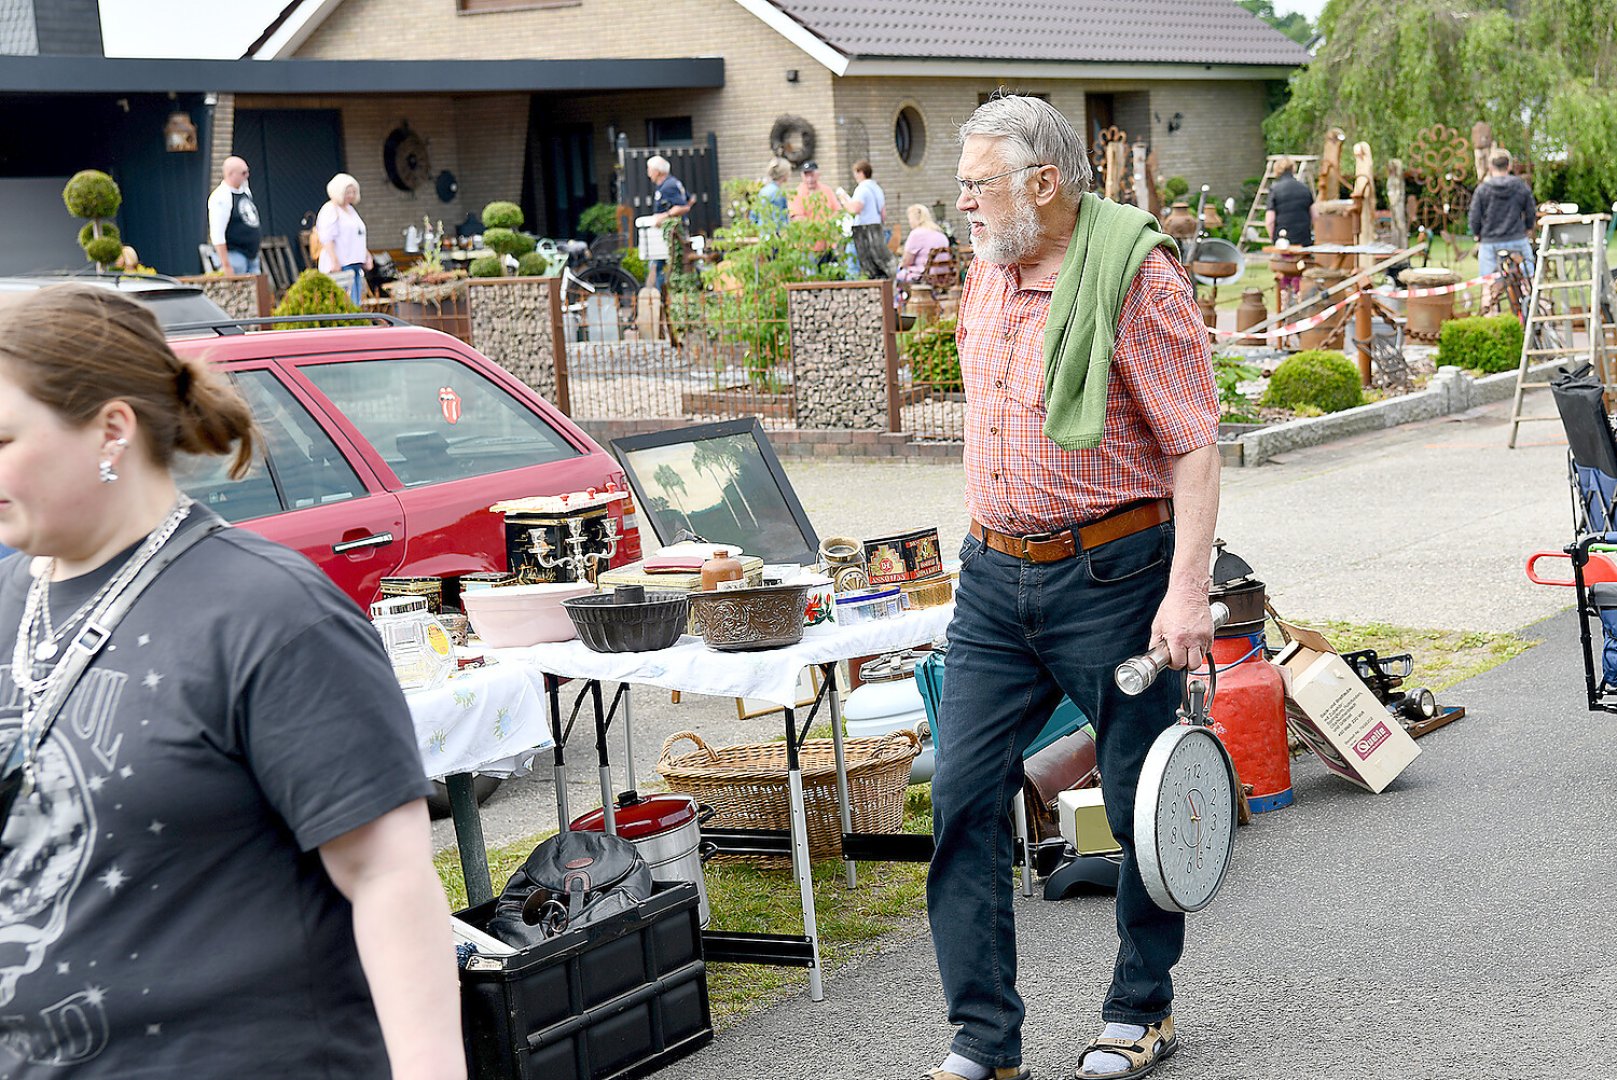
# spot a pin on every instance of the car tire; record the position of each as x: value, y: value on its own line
x: 438, y: 801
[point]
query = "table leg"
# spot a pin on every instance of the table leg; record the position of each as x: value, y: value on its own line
x: 844, y: 806
x: 469, y: 838
x: 628, y: 738
x: 559, y: 734
x: 800, y: 854
x: 604, y: 760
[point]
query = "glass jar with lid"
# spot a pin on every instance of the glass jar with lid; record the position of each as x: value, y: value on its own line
x: 417, y: 643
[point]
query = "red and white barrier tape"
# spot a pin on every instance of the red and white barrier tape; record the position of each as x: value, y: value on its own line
x: 1289, y: 329
x: 1436, y: 290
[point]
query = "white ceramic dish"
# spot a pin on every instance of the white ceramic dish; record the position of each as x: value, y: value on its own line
x: 512, y: 616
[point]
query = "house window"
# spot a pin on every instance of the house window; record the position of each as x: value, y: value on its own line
x: 909, y: 135
x: 669, y: 131
x: 478, y: 7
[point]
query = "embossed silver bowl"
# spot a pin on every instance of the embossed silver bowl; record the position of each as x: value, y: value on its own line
x: 734, y: 620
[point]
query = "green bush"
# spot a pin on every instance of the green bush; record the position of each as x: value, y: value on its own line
x: 599, y: 220
x: 933, y: 355
x: 502, y: 215
x: 488, y: 266
x: 1487, y: 343
x: 508, y: 241
x: 314, y: 293
x: 632, y: 262
x: 1326, y: 380
x: 1229, y: 372
x: 87, y: 233
x: 532, y: 264
x: 103, y: 250
x: 1175, y: 188
x: 92, y: 194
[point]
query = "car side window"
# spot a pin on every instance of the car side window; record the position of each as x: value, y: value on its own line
x: 299, y: 466
x: 434, y: 419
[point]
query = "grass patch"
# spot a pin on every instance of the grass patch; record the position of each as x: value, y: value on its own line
x: 1442, y: 657
x: 757, y: 900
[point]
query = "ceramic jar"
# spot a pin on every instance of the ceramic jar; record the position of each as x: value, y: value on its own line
x: 1252, y: 310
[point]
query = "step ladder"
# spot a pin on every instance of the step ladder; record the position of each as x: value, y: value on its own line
x: 1255, y: 233
x: 1571, y: 312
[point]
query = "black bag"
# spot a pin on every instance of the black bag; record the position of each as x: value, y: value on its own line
x: 571, y: 880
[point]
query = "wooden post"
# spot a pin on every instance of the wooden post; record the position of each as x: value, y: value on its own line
x: 1362, y: 329
x: 889, y: 333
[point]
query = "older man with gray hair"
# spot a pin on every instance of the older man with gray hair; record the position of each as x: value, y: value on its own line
x: 668, y: 200
x: 1092, y: 481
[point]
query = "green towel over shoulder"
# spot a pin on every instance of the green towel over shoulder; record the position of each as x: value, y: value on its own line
x: 1108, y: 246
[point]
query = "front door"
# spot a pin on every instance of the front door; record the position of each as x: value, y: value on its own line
x: 292, y: 154
x: 562, y: 158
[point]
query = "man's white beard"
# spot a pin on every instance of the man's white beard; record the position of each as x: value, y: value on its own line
x: 1016, y: 238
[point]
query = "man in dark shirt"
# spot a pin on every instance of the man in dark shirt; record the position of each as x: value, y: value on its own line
x: 1291, y: 206
x: 1502, y: 215
x: 669, y: 200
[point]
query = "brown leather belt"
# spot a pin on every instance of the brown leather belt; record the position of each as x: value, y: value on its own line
x: 1053, y: 547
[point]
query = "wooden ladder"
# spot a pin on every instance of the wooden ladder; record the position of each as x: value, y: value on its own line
x: 1255, y: 233
x: 1571, y: 287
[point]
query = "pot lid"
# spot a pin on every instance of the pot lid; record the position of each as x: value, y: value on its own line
x: 647, y: 816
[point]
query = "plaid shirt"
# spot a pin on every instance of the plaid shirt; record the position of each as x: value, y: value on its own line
x: 1160, y: 400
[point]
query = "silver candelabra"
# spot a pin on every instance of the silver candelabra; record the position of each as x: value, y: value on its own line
x: 583, y: 565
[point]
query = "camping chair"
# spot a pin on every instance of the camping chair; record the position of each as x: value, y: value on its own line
x: 276, y: 258
x: 210, y: 258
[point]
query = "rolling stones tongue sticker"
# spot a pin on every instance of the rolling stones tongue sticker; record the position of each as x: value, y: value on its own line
x: 449, y: 402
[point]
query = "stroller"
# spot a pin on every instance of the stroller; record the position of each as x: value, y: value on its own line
x: 1592, y: 476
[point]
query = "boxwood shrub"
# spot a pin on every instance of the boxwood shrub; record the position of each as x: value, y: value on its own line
x: 1323, y: 379
x: 1487, y: 343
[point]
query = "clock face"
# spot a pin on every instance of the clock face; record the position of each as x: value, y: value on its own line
x: 1186, y: 805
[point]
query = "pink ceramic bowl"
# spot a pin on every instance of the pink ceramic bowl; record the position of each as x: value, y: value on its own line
x: 512, y: 616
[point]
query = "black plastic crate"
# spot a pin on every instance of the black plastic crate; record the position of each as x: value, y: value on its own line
x: 604, y: 1002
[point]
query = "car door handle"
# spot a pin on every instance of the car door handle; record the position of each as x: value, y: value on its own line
x: 377, y: 540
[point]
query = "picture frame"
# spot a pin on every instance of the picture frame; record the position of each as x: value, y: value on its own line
x: 722, y: 481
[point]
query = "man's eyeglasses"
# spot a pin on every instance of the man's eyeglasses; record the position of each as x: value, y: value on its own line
x: 975, y: 187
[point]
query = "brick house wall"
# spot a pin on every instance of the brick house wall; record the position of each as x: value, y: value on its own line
x: 483, y: 139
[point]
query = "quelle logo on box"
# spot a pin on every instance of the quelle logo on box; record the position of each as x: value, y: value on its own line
x: 1372, y: 739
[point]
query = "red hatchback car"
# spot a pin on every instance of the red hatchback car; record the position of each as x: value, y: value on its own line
x: 384, y: 448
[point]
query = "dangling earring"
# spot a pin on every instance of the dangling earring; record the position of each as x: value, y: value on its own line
x: 108, y: 473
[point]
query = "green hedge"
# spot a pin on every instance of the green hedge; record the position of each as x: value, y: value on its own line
x: 314, y: 293
x: 502, y: 215
x: 1325, y: 380
x: 1486, y: 343
x: 486, y: 266
x: 933, y: 355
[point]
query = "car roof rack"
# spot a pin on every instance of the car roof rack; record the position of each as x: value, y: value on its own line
x: 241, y: 326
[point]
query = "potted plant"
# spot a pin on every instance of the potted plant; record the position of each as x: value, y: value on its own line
x: 427, y: 294
x: 94, y: 195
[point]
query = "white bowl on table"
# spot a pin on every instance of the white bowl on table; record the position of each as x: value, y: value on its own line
x: 513, y: 616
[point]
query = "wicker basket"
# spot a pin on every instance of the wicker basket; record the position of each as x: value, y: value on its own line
x: 746, y: 784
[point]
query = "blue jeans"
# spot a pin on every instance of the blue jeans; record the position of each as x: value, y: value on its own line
x: 1488, y: 254
x: 356, y: 285
x: 241, y: 264
x: 658, y: 275
x: 1022, y: 635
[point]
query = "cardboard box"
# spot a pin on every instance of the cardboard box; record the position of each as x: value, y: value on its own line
x: 1083, y: 822
x: 1338, y: 717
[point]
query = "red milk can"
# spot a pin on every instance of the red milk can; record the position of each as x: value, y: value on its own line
x: 1249, y: 714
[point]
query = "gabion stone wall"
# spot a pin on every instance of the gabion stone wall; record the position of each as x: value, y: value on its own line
x: 514, y: 324
x: 839, y: 353
x: 237, y: 295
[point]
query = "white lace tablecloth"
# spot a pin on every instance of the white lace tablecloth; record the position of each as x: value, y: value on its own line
x: 768, y: 675
x: 490, y: 720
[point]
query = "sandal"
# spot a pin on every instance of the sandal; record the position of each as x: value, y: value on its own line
x: 1144, y: 1054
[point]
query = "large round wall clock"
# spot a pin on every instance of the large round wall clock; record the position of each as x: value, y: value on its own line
x: 1184, y: 817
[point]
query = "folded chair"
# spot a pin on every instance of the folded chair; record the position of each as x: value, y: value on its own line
x: 1592, y: 476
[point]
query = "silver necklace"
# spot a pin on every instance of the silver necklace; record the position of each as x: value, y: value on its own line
x: 35, y: 643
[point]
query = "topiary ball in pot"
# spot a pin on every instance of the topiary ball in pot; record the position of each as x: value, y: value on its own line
x: 87, y: 233
x: 92, y: 194
x: 486, y: 266
x: 315, y: 293
x: 1326, y: 380
x: 502, y: 215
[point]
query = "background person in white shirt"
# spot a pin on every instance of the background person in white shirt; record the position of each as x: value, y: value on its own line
x: 233, y: 226
x: 342, y: 234
x: 868, y: 205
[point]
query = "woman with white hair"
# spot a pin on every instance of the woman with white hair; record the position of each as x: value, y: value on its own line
x: 342, y: 233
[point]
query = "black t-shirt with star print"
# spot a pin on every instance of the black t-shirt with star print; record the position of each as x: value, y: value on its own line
x: 163, y: 908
